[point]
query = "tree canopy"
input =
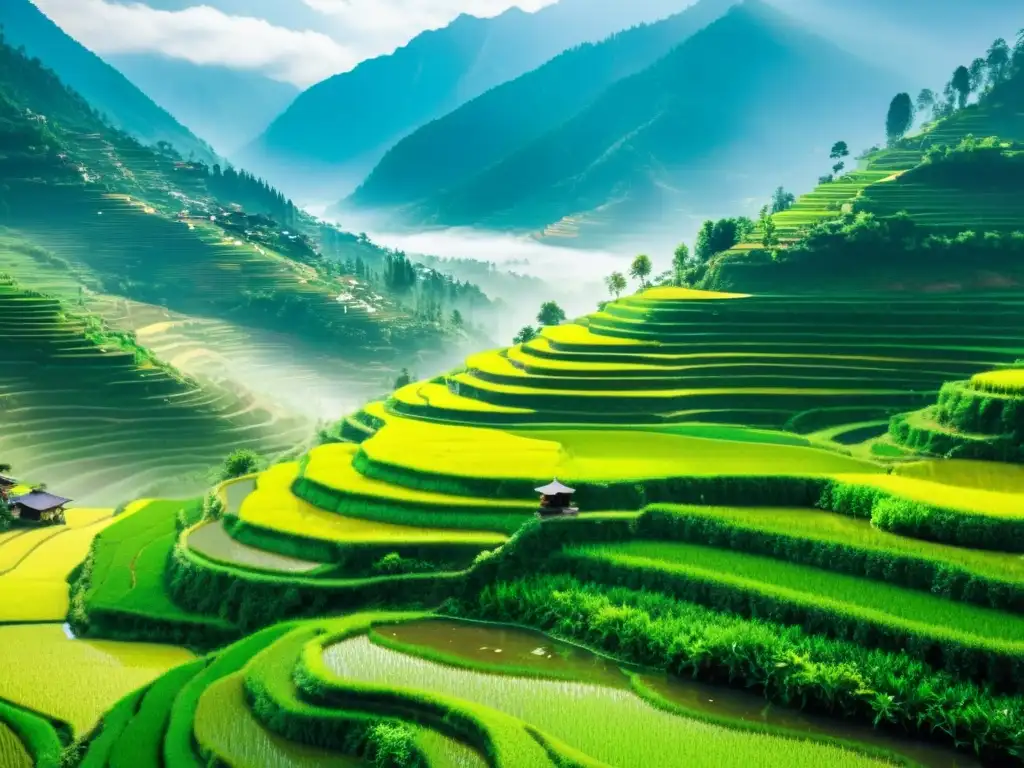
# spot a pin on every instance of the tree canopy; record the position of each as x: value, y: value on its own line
x: 641, y: 268
x: 525, y: 334
x: 551, y: 314
x: 240, y: 463
x: 900, y: 117
x: 616, y: 283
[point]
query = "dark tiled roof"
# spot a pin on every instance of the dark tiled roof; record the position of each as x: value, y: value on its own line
x: 40, y: 501
x: 8, y: 480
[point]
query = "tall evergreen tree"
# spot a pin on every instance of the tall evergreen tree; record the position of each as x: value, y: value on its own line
x: 899, y: 118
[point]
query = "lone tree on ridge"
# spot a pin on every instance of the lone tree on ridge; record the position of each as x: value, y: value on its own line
x: 900, y: 117
x: 839, y: 151
x: 616, y: 283
x: 526, y: 333
x: 404, y: 379
x: 240, y: 463
x: 641, y: 269
x: 782, y: 200
x: 926, y: 101
x: 680, y: 260
x: 551, y: 314
x: 961, y: 83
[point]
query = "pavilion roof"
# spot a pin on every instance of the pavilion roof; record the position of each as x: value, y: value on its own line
x: 554, y: 487
x: 40, y: 501
x: 8, y: 480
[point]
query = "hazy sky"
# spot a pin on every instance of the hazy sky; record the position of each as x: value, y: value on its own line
x: 296, y: 41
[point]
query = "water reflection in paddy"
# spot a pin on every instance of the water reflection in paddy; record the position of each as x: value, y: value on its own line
x: 603, y: 690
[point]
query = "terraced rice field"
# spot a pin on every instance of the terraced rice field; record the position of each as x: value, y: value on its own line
x: 199, y: 271
x: 787, y: 555
x: 94, y: 423
x: 76, y: 681
x: 586, y: 717
x: 34, y: 565
x: 815, y: 588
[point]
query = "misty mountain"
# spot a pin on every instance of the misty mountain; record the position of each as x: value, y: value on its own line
x: 335, y: 131
x: 749, y: 102
x: 227, y: 107
x: 106, y: 89
x: 481, y: 132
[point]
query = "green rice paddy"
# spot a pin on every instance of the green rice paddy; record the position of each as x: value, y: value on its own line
x: 107, y: 429
x: 820, y: 589
x: 587, y: 717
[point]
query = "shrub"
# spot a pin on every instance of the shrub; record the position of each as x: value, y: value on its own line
x: 240, y: 463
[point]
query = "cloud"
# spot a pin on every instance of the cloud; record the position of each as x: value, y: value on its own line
x: 389, y: 23
x: 353, y: 30
x: 203, y: 35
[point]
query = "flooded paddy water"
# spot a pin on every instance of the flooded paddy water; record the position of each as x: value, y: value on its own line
x: 588, y: 702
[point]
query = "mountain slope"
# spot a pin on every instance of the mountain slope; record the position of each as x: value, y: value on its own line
x: 699, y: 131
x: 339, y: 128
x: 484, y: 130
x: 227, y: 107
x: 940, y: 211
x: 148, y: 226
x: 106, y: 89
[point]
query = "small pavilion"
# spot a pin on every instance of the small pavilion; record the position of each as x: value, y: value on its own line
x: 556, y: 499
x: 39, y: 507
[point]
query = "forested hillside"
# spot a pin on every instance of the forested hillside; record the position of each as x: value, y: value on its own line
x: 942, y: 207
x: 145, y: 224
x: 335, y: 131
x: 106, y: 89
x: 700, y: 128
x: 463, y: 143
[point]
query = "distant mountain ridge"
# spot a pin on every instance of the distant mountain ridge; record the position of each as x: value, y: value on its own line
x: 227, y: 107
x: 106, y: 89
x: 700, y: 128
x: 484, y: 130
x: 339, y: 128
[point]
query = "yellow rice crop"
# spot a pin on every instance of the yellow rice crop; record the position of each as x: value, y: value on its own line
x: 589, y: 455
x: 992, y: 503
x: 331, y: 466
x: 577, y: 334
x: 12, y: 751
x: 77, y: 680
x: 1008, y: 382
x: 16, y: 549
x: 466, y: 451
x: 979, y: 475
x: 36, y: 589
x: 669, y: 293
x: 272, y: 505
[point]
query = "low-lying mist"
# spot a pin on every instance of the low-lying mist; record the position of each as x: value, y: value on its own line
x: 572, y: 277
